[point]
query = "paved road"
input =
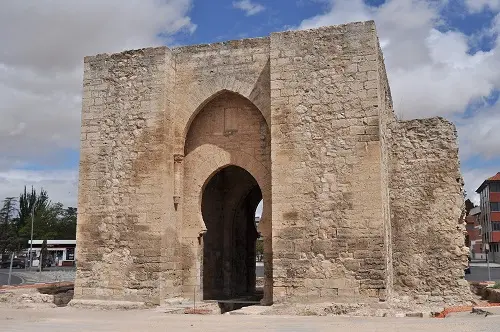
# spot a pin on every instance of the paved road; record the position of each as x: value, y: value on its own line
x: 259, y: 270
x: 477, y: 274
x: 72, y: 319
x: 4, y: 278
x: 481, y: 274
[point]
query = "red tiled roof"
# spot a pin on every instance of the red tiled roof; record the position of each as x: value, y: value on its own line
x: 470, y: 219
x: 495, y: 178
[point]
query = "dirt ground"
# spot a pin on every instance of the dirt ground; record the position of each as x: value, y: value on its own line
x: 76, y: 319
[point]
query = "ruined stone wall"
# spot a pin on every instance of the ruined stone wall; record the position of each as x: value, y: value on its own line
x: 328, y: 225
x: 125, y: 172
x: 359, y: 201
x: 426, y: 197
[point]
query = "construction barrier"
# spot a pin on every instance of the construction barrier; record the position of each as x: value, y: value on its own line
x: 450, y: 310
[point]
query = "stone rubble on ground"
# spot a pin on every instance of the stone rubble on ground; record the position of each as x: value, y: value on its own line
x: 26, y: 298
x: 395, y: 307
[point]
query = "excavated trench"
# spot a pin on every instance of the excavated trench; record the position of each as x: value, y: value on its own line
x: 62, y: 294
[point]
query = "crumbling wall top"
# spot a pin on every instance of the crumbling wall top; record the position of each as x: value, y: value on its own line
x: 225, y: 45
x: 148, y: 51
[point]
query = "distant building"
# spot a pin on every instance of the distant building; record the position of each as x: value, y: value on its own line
x: 474, y: 238
x: 61, y: 251
x: 257, y: 220
x: 489, y: 192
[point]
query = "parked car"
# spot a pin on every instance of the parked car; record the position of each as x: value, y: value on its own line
x: 16, y: 263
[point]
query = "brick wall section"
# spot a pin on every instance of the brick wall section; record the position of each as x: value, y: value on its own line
x: 123, y: 175
x: 494, y: 197
x: 426, y: 199
x: 328, y: 234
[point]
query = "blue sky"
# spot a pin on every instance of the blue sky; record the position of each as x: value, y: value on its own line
x: 442, y: 57
x: 219, y: 20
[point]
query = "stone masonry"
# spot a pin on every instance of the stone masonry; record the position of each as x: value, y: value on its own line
x: 179, y: 145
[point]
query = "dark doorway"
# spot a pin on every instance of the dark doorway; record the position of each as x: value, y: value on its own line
x: 229, y: 201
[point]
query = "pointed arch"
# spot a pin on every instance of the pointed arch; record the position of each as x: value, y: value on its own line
x: 214, y: 159
x: 189, y: 107
x: 224, y: 129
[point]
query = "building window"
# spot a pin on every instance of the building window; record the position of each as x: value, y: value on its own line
x: 494, y: 187
x: 495, y: 226
x: 495, y: 206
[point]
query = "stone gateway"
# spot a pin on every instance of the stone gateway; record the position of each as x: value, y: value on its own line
x: 179, y: 146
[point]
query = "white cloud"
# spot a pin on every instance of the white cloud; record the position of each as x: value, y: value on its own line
x: 480, y: 135
x: 260, y: 208
x: 340, y: 12
x: 43, y: 45
x: 61, y: 185
x: 474, y: 179
x: 431, y: 72
x: 250, y: 8
x: 478, y: 5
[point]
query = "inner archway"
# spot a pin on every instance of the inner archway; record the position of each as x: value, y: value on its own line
x: 229, y: 202
x: 228, y: 130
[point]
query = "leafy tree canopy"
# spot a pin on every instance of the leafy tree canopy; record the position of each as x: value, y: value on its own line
x: 51, y: 221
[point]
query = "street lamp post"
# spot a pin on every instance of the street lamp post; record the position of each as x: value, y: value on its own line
x: 31, y: 242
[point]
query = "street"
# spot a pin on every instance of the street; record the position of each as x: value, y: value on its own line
x: 477, y: 274
x: 481, y: 274
x: 4, y: 278
x: 259, y: 269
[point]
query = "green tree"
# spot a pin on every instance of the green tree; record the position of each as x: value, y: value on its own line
x: 259, y: 249
x: 62, y: 222
x: 39, y: 207
x: 67, y: 224
x: 50, y: 220
x: 8, y: 211
x: 44, y: 254
x: 8, y: 235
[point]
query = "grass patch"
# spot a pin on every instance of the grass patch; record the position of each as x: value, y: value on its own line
x: 496, y: 285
